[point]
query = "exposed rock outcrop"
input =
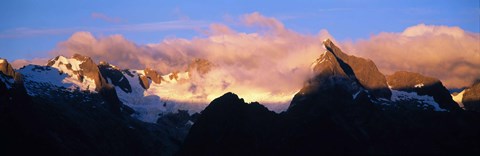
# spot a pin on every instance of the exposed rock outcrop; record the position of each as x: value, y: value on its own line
x: 153, y: 75
x: 144, y: 82
x: 364, y: 70
x: 114, y: 76
x: 471, y: 97
x: 9, y: 78
x: 173, y: 75
x: 6, y: 68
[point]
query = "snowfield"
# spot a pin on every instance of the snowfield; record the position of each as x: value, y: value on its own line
x: 425, y: 100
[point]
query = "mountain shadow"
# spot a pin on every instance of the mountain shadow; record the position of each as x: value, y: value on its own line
x: 471, y: 97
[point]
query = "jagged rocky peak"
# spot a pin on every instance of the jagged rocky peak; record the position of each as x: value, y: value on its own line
x: 327, y: 64
x: 422, y: 85
x: 115, y: 76
x: 80, y: 67
x: 6, y: 68
x: 10, y: 80
x: 6, y: 76
x: 336, y: 62
x: 153, y: 75
x: 147, y: 75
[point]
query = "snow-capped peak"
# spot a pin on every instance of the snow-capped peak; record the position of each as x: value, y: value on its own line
x: 70, y: 66
x: 81, y: 71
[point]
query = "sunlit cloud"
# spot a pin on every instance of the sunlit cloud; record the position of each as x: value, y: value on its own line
x: 19, y: 63
x: 448, y: 53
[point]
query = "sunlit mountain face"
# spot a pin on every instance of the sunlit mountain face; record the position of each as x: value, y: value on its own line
x: 257, y: 83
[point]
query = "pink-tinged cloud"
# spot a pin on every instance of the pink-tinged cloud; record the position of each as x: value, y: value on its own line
x: 273, y: 63
x: 256, y: 19
x: 105, y: 18
x: 22, y: 62
x: 448, y: 53
x: 220, y: 29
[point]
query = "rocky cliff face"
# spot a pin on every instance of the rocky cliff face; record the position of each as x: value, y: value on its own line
x: 9, y: 79
x: 471, y: 97
x: 423, y: 85
x: 6, y: 68
x: 144, y: 82
x: 149, y: 74
x: 365, y: 71
x: 114, y: 76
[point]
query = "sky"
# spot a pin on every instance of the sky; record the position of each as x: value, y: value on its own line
x: 251, y: 44
x: 31, y: 28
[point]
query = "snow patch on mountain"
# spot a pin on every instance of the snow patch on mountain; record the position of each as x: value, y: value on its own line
x: 62, y: 62
x: 35, y: 75
x: 7, y: 81
x: 157, y: 99
x: 458, y: 98
x: 413, y: 96
x: 177, y: 91
x: 356, y: 94
x: 420, y: 85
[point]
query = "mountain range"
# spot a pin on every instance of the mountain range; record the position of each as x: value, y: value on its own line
x: 73, y: 106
